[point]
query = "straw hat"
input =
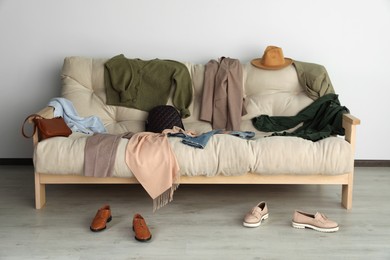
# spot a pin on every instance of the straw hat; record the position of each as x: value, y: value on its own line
x: 272, y: 59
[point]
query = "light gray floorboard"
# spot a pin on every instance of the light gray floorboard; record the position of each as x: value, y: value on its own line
x: 202, y: 222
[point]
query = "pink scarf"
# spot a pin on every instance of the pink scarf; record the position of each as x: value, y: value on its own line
x: 152, y: 161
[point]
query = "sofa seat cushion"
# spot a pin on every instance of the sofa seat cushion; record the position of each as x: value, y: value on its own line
x: 224, y: 154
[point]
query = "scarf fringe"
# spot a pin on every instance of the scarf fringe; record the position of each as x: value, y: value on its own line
x: 164, y: 198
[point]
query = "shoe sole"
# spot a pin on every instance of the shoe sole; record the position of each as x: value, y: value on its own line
x: 303, y: 226
x: 97, y: 230
x: 257, y: 224
x: 142, y: 240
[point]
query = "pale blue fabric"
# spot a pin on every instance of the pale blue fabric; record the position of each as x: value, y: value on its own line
x: 241, y: 134
x: 88, y: 125
x: 201, y: 141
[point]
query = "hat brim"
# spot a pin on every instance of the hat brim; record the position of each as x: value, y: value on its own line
x: 257, y: 63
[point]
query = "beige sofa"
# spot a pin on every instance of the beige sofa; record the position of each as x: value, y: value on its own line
x: 225, y: 160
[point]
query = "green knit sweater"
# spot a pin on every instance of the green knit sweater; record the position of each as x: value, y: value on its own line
x: 143, y: 84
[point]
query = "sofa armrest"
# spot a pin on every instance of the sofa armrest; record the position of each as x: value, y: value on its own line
x: 349, y: 124
x: 350, y: 119
x: 47, y: 112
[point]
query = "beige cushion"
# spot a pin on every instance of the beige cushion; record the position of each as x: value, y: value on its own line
x: 266, y: 92
x: 223, y: 154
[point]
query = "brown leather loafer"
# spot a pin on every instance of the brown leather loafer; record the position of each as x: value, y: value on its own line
x: 140, y: 228
x: 102, y: 216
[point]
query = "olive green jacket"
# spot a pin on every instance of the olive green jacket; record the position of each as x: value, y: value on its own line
x: 314, y: 79
x: 144, y: 85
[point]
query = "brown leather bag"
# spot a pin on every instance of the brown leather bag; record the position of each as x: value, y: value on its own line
x: 48, y: 127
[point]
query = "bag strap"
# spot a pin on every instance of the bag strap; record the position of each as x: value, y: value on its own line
x: 33, y: 116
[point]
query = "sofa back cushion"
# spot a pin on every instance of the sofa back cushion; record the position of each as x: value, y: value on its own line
x: 272, y: 92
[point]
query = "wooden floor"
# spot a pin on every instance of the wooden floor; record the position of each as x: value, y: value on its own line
x: 203, y: 221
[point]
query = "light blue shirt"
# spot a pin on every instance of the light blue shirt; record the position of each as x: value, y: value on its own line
x: 88, y: 125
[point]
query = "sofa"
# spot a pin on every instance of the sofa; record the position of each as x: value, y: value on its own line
x: 226, y: 159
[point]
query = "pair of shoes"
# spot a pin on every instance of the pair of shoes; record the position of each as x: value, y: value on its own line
x: 316, y: 221
x: 140, y: 229
x: 300, y: 219
x: 101, y: 218
x: 254, y: 217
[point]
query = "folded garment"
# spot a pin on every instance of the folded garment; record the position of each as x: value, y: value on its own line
x: 100, y: 153
x: 88, y: 125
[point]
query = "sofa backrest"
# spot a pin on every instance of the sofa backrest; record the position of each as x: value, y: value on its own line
x: 271, y: 92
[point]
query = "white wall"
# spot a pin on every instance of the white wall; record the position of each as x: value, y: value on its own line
x: 350, y: 38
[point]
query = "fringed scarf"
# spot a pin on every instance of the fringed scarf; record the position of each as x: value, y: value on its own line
x: 152, y: 161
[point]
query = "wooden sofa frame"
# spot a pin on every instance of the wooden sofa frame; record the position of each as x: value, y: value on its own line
x: 346, y: 180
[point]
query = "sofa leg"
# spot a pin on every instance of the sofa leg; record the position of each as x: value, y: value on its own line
x: 40, y: 192
x: 346, y: 196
